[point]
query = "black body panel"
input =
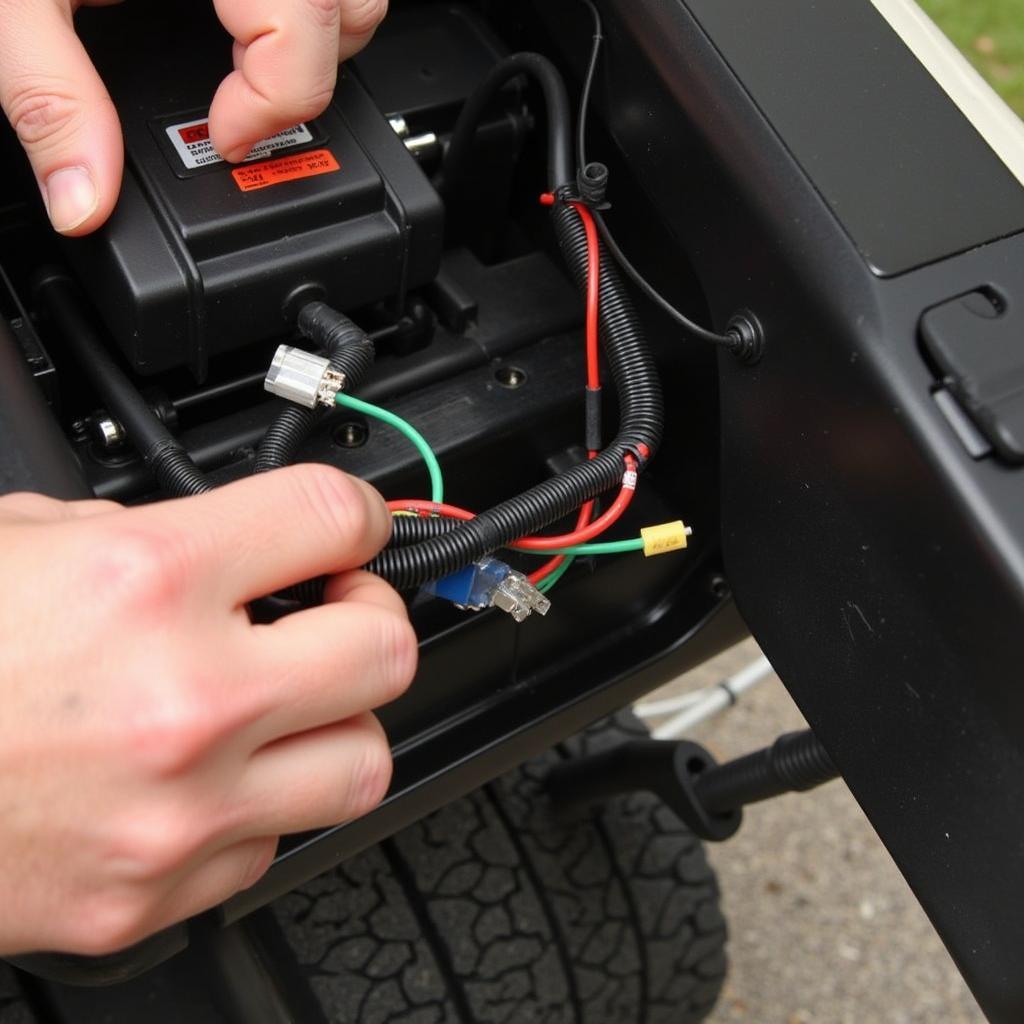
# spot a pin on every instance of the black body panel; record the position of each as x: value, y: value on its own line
x: 903, y: 170
x: 879, y: 565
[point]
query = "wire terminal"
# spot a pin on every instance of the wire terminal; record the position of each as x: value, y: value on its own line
x: 659, y: 540
x: 491, y: 583
x: 302, y: 377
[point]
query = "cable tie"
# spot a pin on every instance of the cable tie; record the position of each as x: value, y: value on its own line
x: 639, y: 451
x: 730, y: 692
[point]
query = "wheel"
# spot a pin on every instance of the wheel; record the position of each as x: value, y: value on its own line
x: 493, y: 910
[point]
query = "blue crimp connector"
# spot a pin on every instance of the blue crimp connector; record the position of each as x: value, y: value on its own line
x: 491, y: 583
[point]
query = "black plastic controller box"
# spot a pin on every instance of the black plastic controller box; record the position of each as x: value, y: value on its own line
x: 201, y: 256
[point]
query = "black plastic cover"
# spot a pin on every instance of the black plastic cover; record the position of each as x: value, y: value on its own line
x: 908, y: 176
x: 199, y: 256
x: 978, y: 345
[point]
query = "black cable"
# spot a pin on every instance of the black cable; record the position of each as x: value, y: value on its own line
x: 588, y: 85
x: 348, y: 349
x: 640, y: 429
x: 559, y: 116
x: 732, y: 339
x: 172, y: 466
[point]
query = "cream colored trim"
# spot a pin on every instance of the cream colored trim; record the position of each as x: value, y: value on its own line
x: 1001, y: 128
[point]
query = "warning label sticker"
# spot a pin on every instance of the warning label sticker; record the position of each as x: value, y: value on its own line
x: 192, y: 143
x: 285, y: 168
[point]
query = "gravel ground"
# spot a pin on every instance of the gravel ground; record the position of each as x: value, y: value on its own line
x: 823, y: 927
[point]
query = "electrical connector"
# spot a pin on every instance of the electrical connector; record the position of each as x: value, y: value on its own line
x: 659, y: 540
x: 491, y: 583
x: 303, y: 378
x: 519, y: 597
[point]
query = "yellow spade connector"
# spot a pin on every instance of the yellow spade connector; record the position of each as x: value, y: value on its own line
x: 660, y: 540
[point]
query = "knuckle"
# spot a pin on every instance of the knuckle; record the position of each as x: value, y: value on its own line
x: 43, y: 112
x: 155, y: 844
x: 361, y: 17
x: 142, y: 569
x: 257, y: 864
x: 399, y: 653
x: 173, y: 729
x: 310, y: 104
x: 371, y: 776
x: 324, y: 12
x: 332, y: 501
x: 108, y: 922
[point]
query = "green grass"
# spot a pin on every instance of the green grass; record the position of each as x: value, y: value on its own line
x: 991, y: 34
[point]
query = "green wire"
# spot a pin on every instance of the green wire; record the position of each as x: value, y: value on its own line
x: 614, y: 547
x: 437, y: 488
x: 406, y: 429
x: 545, y: 585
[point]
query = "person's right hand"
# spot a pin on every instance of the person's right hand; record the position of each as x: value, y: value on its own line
x: 153, y: 742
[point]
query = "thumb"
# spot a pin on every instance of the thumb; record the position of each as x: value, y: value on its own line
x: 61, y: 112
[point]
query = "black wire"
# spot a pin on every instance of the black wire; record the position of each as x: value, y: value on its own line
x: 588, y: 85
x: 559, y: 116
x: 730, y: 340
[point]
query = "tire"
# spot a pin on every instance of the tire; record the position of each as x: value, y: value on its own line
x: 14, y: 1009
x: 494, y: 910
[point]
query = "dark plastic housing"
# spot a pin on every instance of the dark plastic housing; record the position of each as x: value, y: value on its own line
x: 192, y: 264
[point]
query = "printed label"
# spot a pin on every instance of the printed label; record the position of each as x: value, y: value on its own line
x: 192, y: 143
x: 285, y: 168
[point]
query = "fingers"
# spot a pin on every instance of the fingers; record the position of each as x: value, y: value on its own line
x: 317, y: 779
x: 314, y: 780
x: 327, y: 664
x: 359, y: 20
x: 256, y: 536
x: 61, y: 112
x: 286, y: 59
x: 365, y: 588
x: 27, y: 507
x: 225, y: 873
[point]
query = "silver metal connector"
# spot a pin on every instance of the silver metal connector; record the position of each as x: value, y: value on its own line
x: 303, y: 378
x: 417, y: 145
x: 519, y: 597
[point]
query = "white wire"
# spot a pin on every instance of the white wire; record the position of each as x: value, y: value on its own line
x: 654, y: 708
x: 716, y: 699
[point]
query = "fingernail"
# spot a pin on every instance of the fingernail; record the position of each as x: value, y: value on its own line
x: 71, y: 198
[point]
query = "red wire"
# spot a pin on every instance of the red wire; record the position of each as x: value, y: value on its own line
x: 578, y: 536
x: 585, y: 529
x: 593, y: 295
x: 593, y: 360
x: 552, y: 564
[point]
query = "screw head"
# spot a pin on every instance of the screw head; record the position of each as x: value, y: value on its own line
x: 108, y: 433
x: 350, y: 434
x: 510, y: 377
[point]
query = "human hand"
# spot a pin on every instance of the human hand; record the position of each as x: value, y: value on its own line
x: 286, y: 56
x: 153, y: 742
